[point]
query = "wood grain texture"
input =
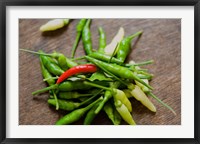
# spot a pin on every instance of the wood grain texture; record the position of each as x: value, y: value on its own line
x: 161, y: 41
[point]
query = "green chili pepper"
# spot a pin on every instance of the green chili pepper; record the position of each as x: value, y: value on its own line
x: 73, y: 85
x: 70, y: 63
x: 117, y: 70
x: 107, y: 96
x: 120, y: 95
x: 65, y: 86
x: 124, y: 112
x: 86, y: 38
x: 52, y: 60
x: 72, y: 95
x: 120, y: 104
x: 79, y: 29
x: 62, y: 62
x: 46, y: 74
x: 76, y: 114
x: 64, y: 105
x: 70, y: 105
x: 105, y: 58
x: 52, y: 67
x: 102, y: 40
x: 144, y: 88
x: 90, y: 115
x: 112, y: 113
x: 125, y: 46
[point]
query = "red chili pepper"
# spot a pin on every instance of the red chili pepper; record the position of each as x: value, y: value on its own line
x: 86, y: 68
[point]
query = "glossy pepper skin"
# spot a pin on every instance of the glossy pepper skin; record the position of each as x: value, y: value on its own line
x: 123, y: 111
x: 105, y: 58
x: 64, y: 105
x: 117, y: 70
x: 107, y: 96
x: 52, y: 67
x: 86, y: 38
x: 46, y: 74
x: 65, y: 86
x: 90, y: 115
x: 86, y: 68
x: 102, y: 40
x: 125, y: 46
x: 79, y: 29
x: 72, y: 95
x: 62, y: 62
x: 112, y: 113
x: 73, y: 85
x: 76, y: 114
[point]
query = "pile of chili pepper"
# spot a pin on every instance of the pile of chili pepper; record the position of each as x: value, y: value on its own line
x: 102, y: 83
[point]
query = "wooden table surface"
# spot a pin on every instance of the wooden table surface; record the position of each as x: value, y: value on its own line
x: 161, y: 41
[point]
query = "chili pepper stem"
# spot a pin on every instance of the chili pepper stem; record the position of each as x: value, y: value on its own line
x: 144, y: 73
x: 136, y: 34
x: 144, y: 70
x: 161, y: 102
x: 45, y: 89
x: 141, y: 63
x: 75, y: 44
x: 50, y: 78
x: 144, y: 77
x: 38, y: 53
x: 96, y: 85
x: 88, y: 22
x: 56, y: 99
x: 84, y: 102
x: 144, y: 63
x: 82, y: 95
x: 78, y: 58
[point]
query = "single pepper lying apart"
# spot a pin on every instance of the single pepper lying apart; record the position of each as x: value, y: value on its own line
x: 103, y: 83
